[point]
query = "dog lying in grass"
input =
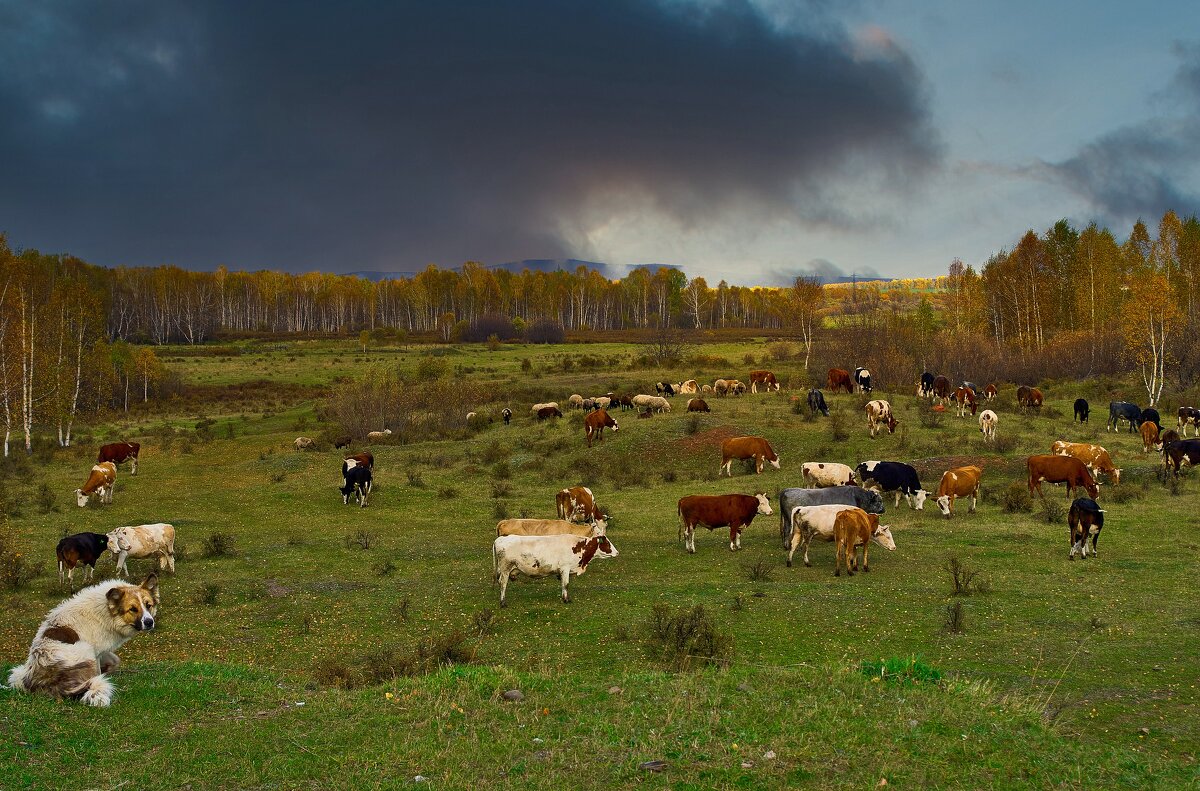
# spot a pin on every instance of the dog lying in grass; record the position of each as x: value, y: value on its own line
x: 74, y: 647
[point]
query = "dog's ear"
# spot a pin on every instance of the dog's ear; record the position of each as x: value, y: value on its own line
x: 115, y: 597
x: 151, y: 584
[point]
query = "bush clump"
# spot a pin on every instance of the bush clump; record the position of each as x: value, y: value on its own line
x: 687, y: 638
x: 219, y: 545
x: 905, y: 671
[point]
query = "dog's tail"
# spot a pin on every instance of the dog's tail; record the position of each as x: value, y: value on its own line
x: 18, y: 678
x: 98, y: 692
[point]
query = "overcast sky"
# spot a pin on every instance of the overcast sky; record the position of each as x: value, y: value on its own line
x: 740, y: 140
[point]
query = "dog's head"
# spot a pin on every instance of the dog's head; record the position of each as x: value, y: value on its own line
x: 133, y: 607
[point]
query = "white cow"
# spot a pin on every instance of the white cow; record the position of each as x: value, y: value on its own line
x: 821, y: 474
x: 987, y: 424
x: 817, y: 520
x: 144, y: 541
x: 544, y: 556
x: 879, y: 417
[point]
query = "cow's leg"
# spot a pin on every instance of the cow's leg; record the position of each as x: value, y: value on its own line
x: 793, y: 542
x: 758, y: 464
x: 690, y: 539
x: 974, y: 498
x: 61, y: 572
x: 866, y: 546
x: 1095, y: 538
x: 504, y: 575
x: 122, y: 569
x: 837, y: 559
x: 566, y: 580
x: 133, y: 468
x: 807, y: 541
x: 897, y: 504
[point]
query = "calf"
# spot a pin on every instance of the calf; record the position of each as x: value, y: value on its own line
x: 1085, y: 518
x: 893, y: 476
x: 595, y: 423
x: 119, y: 453
x: 755, y: 448
x: 81, y: 549
x: 1123, y: 410
x: 1188, y: 416
x: 735, y: 511
x: 853, y: 528
x: 879, y: 416
x: 1029, y: 397
x: 818, y: 521
x: 101, y: 481
x: 987, y: 424
x: 563, y: 556
x: 838, y: 379
x: 1060, y: 469
x: 942, y: 390
x: 866, y: 499
x: 1181, y: 452
x: 1081, y: 411
x: 1149, y: 432
x: 959, y: 482
x: 578, y: 502
x: 143, y: 541
x: 357, y: 483
x: 816, y: 403
x: 506, y: 413
x: 862, y: 378
x: 698, y: 405
x: 824, y: 474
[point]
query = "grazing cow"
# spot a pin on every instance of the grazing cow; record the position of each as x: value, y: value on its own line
x: 853, y: 528
x: 819, y: 521
x: 506, y: 413
x: 1082, y: 410
x: 866, y: 499
x: 1188, y: 416
x: 1149, y: 433
x: 697, y: 405
x: 548, y: 412
x: 344, y: 442
x: 964, y: 397
x: 942, y: 390
x: 838, y: 379
x: 925, y: 386
x: 143, y: 541
x: 357, y: 483
x: 735, y: 511
x: 364, y: 459
x: 81, y: 549
x: 574, y: 401
x: 304, y: 443
x: 549, y: 527
x: 765, y: 378
x: 577, y: 503
x: 987, y: 424
x: 690, y: 387
x: 1029, y: 397
x: 816, y: 402
x: 879, y: 416
x: 958, y: 482
x: 595, y: 423
x: 378, y: 436
x: 1060, y: 469
x: 1094, y: 457
x: 1151, y: 414
x: 1181, y: 452
x: 862, y: 378
x: 989, y: 392
x: 755, y: 448
x: 119, y: 453
x: 893, y: 476
x: 1170, y: 435
x: 821, y: 474
x: 101, y: 482
x: 1123, y: 410
x: 562, y: 556
x: 1086, y: 518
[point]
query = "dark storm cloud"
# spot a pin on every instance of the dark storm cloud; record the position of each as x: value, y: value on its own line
x: 1144, y: 169
x: 384, y: 135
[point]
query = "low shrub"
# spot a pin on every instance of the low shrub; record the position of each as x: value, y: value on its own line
x: 956, y: 618
x: 447, y: 493
x: 415, y: 479
x: 760, y: 571
x: 362, y: 539
x: 687, y: 638
x: 1053, y: 510
x: 1016, y: 499
x: 208, y: 594
x: 219, y: 545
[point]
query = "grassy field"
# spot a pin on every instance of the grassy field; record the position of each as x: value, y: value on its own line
x: 1066, y: 674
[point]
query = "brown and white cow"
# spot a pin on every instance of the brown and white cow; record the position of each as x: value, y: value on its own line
x: 563, y: 556
x: 81, y: 549
x: 989, y: 392
x: 964, y: 397
x: 879, y: 416
x: 820, y: 474
x: 577, y: 503
x: 119, y: 453
x: 854, y: 528
x: 838, y: 379
x: 735, y: 511
x: 765, y: 378
x: 1094, y: 457
x: 958, y: 482
x: 1060, y: 469
x: 101, y: 481
x: 548, y: 527
x: 819, y: 521
x: 595, y: 423
x: 987, y: 424
x: 755, y: 448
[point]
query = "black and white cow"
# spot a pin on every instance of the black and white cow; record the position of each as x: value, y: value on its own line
x: 1086, y: 518
x: 358, y: 484
x: 506, y: 413
x: 816, y: 402
x: 862, y: 378
x: 857, y: 496
x: 925, y: 388
x: 1123, y: 410
x: 1081, y: 410
x: 893, y: 476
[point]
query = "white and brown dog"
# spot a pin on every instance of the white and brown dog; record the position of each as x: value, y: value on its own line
x: 74, y: 647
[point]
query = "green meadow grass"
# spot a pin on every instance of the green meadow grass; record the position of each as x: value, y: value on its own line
x: 1060, y: 666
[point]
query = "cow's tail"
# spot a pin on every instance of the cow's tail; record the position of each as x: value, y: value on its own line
x: 679, y: 509
x: 495, y: 566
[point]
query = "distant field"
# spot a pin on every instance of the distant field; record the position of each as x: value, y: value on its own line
x: 1058, y: 668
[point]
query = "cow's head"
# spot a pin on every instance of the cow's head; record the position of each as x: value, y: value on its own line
x: 943, y: 504
x: 764, y: 504
x: 81, y: 499
x: 919, y: 499
x: 883, y: 537
x: 891, y: 424
x: 775, y: 461
x: 604, y: 547
x: 600, y: 524
x: 118, y: 541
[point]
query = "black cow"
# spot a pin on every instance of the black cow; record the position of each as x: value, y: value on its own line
x: 1180, y: 452
x: 894, y: 476
x: 1085, y: 518
x: 358, y: 483
x: 81, y: 549
x: 1123, y: 410
x: 506, y: 413
x: 1150, y: 415
x: 816, y: 402
x: 857, y: 496
x: 1081, y: 410
x: 925, y: 389
x: 862, y: 378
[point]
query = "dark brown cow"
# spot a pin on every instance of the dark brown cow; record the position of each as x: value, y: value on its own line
x: 989, y: 392
x: 1029, y: 397
x: 734, y: 511
x: 119, y: 453
x: 838, y: 379
x: 1181, y: 452
x: 698, y: 405
x: 548, y: 412
x: 755, y: 448
x: 942, y: 390
x: 1060, y: 469
x: 595, y: 423
x: 765, y: 378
